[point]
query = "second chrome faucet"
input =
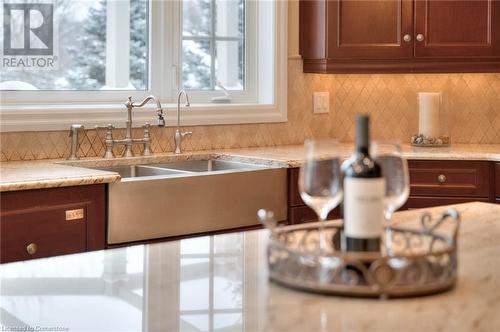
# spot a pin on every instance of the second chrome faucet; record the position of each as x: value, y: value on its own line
x: 179, y: 135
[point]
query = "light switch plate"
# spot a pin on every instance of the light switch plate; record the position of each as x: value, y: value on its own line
x: 321, y: 102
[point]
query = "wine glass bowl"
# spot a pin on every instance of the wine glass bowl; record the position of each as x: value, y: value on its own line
x: 320, y: 180
x: 394, y: 166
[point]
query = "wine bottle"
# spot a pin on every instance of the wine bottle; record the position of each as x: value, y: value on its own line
x: 364, y: 191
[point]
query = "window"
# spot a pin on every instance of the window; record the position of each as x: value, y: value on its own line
x: 117, y: 48
x: 213, y: 44
x: 95, y: 45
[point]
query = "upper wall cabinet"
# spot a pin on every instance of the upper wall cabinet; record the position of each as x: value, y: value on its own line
x: 349, y: 36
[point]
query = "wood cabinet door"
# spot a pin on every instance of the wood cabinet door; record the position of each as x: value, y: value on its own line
x: 458, y: 28
x: 449, y: 178
x: 48, y: 222
x: 367, y: 29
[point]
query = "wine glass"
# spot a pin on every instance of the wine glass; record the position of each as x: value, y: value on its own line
x: 395, y: 171
x: 320, y: 180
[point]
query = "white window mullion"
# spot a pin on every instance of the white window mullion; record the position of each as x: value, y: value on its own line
x: 213, y: 46
x: 163, y: 58
x: 118, y: 44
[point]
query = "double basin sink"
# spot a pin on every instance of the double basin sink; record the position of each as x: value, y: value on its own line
x: 180, y: 168
x: 188, y: 197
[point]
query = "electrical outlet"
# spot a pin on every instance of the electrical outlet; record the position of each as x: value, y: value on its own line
x: 321, y: 102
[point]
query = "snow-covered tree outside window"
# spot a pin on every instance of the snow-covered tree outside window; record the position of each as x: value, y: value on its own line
x: 213, y: 44
x: 87, y: 30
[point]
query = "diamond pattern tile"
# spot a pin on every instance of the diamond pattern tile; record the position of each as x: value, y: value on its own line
x: 471, y: 101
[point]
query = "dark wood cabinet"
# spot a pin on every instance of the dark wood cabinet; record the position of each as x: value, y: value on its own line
x: 432, y: 183
x: 440, y: 182
x: 49, y: 222
x: 298, y: 211
x: 458, y: 28
x: 497, y: 182
x: 449, y: 178
x: 363, y: 36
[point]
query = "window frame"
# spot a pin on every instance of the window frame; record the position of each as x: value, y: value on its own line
x: 249, y: 94
x: 30, y: 110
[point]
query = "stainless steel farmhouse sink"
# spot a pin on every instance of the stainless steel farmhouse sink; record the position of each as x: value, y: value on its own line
x: 179, y: 198
x: 210, y: 165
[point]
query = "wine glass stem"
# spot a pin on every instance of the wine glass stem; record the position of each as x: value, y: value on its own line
x: 322, y: 236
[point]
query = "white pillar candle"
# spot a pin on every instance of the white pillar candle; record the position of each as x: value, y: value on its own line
x: 428, y: 121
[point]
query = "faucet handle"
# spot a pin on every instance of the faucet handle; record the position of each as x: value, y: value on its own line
x: 108, y: 140
x: 109, y: 131
x: 146, y: 128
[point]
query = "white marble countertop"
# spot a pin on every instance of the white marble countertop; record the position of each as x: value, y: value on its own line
x: 221, y: 283
x: 58, y: 173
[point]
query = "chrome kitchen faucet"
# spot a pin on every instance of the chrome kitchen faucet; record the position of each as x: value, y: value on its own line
x: 128, y: 141
x: 178, y: 134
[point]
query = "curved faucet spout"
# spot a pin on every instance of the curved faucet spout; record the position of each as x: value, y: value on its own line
x: 147, y: 99
x: 182, y: 92
x: 159, y: 110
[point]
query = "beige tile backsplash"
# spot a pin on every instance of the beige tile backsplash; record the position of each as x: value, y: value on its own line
x: 472, y: 102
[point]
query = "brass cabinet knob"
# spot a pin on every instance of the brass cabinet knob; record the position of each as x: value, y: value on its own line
x: 420, y: 37
x: 442, y: 178
x: 407, y: 38
x: 32, y: 248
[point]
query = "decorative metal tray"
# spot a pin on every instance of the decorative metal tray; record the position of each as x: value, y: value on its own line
x: 414, y: 261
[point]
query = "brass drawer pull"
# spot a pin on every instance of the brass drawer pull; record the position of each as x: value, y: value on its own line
x: 74, y: 214
x: 32, y: 248
x: 442, y: 178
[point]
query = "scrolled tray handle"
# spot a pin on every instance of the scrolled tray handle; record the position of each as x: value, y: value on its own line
x: 429, y: 226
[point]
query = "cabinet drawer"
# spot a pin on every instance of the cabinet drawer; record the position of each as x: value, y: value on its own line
x: 45, y: 230
x: 449, y: 178
x: 418, y: 202
x: 301, y: 214
x: 49, y: 222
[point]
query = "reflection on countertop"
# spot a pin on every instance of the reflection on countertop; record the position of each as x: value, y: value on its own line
x: 25, y: 175
x: 220, y: 283
x: 197, y: 284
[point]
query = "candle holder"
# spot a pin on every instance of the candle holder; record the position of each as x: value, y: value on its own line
x: 432, y: 121
x: 415, y: 260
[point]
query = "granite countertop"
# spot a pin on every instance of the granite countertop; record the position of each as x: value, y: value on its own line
x: 221, y: 282
x: 23, y: 175
x: 293, y: 155
x: 58, y: 173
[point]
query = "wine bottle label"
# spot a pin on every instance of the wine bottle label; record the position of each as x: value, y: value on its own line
x: 363, y: 207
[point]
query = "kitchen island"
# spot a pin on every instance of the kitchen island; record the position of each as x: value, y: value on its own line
x: 221, y: 283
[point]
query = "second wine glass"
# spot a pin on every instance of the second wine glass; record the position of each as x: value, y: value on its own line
x: 320, y: 180
x: 395, y: 171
